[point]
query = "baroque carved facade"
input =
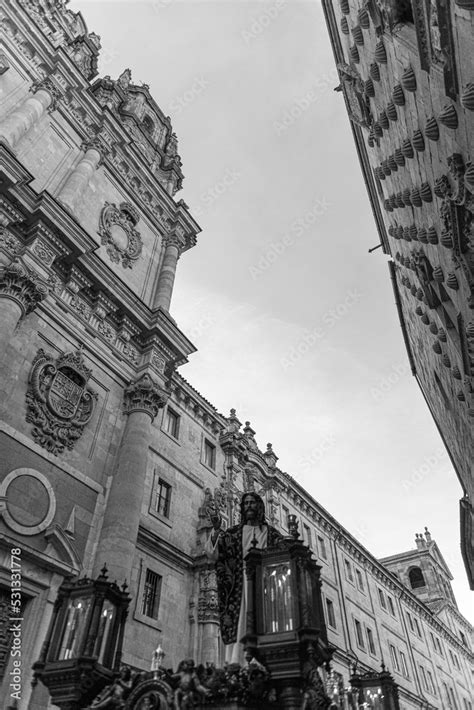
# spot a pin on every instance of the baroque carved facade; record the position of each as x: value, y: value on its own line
x: 111, y: 456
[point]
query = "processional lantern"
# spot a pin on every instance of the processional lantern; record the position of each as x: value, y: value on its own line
x: 375, y: 690
x: 285, y: 621
x: 83, y: 648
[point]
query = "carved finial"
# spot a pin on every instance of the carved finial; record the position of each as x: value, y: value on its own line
x: 103, y: 572
x: 124, y: 79
x: 124, y: 586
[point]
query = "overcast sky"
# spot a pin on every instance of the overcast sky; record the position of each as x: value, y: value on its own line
x: 294, y: 321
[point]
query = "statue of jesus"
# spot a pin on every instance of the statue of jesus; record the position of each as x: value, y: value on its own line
x: 229, y: 548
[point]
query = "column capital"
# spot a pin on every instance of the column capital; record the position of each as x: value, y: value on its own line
x: 98, y: 144
x: 144, y: 395
x: 50, y: 87
x: 172, y: 239
x: 22, y: 285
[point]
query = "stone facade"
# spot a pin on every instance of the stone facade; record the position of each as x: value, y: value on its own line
x: 108, y: 454
x: 406, y: 71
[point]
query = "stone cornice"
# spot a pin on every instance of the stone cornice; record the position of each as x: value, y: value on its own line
x: 199, y: 407
x: 151, y: 542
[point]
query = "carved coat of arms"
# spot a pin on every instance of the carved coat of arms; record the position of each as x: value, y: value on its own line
x: 59, y: 403
x: 117, y: 232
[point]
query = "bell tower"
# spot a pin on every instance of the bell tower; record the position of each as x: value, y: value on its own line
x: 423, y: 570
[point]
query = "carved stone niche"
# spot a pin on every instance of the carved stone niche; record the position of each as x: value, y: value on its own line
x: 59, y: 403
x: 117, y: 232
x: 354, y: 91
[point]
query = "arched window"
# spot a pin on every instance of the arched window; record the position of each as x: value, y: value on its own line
x: 416, y: 578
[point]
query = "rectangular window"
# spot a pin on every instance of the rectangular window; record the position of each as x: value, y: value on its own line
x: 381, y: 598
x: 417, y: 627
x: 322, y: 548
x: 410, y: 621
x: 370, y: 641
x: 390, y: 605
x: 163, y: 498
x: 284, y: 516
x: 330, y: 613
x: 393, y: 654
x: 307, y: 535
x: 348, y: 567
x: 151, y: 594
x: 423, y: 678
x: 171, y: 423
x: 403, y: 664
x: 453, y: 698
x: 456, y: 661
x: 463, y: 639
x: 359, y: 635
x: 209, y: 454
x: 431, y: 685
x: 446, y: 692
x: 360, y: 579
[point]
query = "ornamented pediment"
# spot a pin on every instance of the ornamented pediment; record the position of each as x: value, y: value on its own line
x: 59, y: 403
x: 117, y: 232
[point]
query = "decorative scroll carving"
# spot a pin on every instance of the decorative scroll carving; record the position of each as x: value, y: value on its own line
x: 22, y: 285
x: 59, y: 403
x: 118, y: 233
x: 144, y: 395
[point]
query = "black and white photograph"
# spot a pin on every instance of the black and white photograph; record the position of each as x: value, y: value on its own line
x: 237, y: 354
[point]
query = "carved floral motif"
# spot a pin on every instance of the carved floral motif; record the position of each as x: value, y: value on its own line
x: 59, y: 403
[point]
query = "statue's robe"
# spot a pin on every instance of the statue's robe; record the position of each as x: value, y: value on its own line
x: 229, y: 552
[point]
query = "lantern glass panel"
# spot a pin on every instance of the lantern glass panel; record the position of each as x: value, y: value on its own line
x: 105, y: 631
x: 75, y: 628
x: 278, y: 604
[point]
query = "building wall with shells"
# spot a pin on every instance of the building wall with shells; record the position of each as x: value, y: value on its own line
x: 407, y: 75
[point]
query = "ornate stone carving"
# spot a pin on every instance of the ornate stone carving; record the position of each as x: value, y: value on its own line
x: 157, y: 361
x: 22, y: 285
x: 144, y: 395
x: 43, y: 252
x: 208, y: 604
x: 59, y: 403
x: 118, y: 233
x: 8, y: 241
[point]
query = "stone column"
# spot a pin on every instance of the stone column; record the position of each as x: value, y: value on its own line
x: 164, y: 290
x: 20, y: 292
x: 23, y: 117
x: 116, y: 548
x: 208, y: 615
x: 77, y: 181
